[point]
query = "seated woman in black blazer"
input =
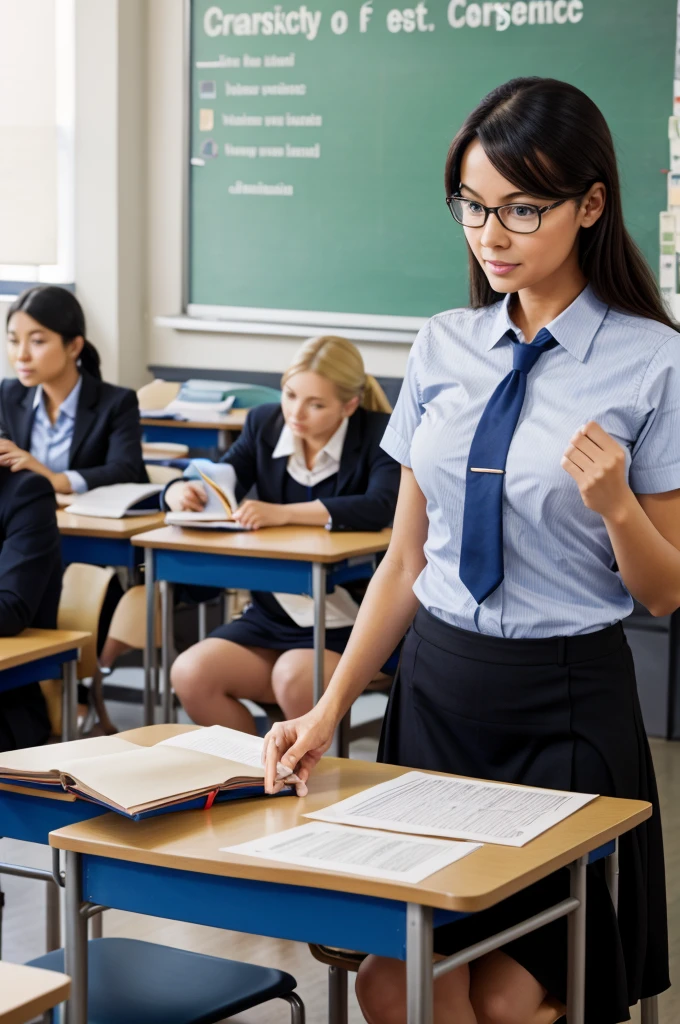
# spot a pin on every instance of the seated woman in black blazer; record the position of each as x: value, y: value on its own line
x: 30, y: 585
x: 59, y: 418
x: 315, y: 460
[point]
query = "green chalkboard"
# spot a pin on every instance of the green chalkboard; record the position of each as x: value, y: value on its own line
x: 343, y: 211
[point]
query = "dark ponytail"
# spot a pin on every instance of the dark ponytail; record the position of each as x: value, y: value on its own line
x: 552, y: 142
x: 58, y: 310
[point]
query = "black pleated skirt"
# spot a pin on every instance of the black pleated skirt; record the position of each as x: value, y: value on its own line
x: 564, y: 714
x: 265, y: 624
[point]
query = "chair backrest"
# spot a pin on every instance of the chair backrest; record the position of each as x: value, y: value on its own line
x: 82, y: 597
x: 158, y: 393
x: 129, y: 619
x: 162, y: 474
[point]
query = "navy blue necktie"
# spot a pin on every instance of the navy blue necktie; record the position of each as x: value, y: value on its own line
x: 481, y: 554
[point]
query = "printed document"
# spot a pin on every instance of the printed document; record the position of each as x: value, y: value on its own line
x: 356, y: 851
x: 485, y: 812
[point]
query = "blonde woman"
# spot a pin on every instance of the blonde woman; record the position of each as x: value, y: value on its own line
x: 315, y: 460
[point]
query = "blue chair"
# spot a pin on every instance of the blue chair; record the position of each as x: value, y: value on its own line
x: 133, y: 982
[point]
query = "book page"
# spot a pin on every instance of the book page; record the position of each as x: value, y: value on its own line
x: 338, y: 848
x: 50, y: 757
x: 113, y: 502
x: 226, y: 743
x: 215, y: 476
x: 433, y: 805
x: 153, y: 776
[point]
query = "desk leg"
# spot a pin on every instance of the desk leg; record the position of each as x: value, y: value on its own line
x: 319, y: 595
x: 150, y: 648
x: 612, y: 875
x: 76, y: 942
x: 649, y: 1010
x: 69, y: 725
x: 166, y: 646
x: 576, y: 968
x: 419, y: 977
x: 202, y: 620
x: 52, y: 917
x: 337, y: 995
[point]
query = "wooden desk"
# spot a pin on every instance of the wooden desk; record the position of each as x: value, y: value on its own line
x: 289, y: 559
x: 98, y: 541
x: 171, y: 866
x: 27, y: 992
x: 37, y: 654
x: 197, y: 434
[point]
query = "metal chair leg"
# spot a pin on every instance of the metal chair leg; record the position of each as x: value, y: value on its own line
x: 2, y: 904
x: 297, y: 1008
x: 337, y: 995
x: 649, y: 1010
x: 343, y: 735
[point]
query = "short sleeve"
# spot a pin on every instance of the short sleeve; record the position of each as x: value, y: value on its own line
x: 655, y: 463
x: 409, y: 408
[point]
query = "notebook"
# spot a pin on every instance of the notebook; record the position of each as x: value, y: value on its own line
x: 220, y: 484
x: 190, y: 769
x: 117, y: 501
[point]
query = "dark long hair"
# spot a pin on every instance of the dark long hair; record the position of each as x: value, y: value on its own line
x: 552, y: 142
x: 58, y: 310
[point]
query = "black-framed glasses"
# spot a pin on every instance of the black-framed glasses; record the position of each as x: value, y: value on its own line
x: 523, y: 218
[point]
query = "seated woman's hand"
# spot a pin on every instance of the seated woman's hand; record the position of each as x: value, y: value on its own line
x: 186, y: 496
x: 299, y: 745
x: 15, y: 458
x: 256, y: 514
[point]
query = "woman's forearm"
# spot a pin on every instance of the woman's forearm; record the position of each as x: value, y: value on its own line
x: 384, y: 617
x: 307, y: 513
x: 649, y: 564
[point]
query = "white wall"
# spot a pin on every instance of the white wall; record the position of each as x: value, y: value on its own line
x: 164, y: 227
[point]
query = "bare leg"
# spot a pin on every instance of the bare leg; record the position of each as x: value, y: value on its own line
x: 381, y: 991
x: 503, y: 992
x: 112, y: 651
x: 493, y: 990
x: 293, y: 680
x: 210, y: 677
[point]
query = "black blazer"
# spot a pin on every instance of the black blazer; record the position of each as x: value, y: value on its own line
x: 30, y: 586
x: 367, y: 483
x: 107, y: 438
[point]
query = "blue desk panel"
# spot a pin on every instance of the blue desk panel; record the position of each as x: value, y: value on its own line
x: 174, y: 433
x: 247, y: 573
x: 35, y: 671
x: 32, y: 818
x: 101, y: 551
x: 259, y: 908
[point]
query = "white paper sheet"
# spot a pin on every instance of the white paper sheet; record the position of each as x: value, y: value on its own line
x: 355, y: 851
x: 227, y: 743
x: 487, y: 812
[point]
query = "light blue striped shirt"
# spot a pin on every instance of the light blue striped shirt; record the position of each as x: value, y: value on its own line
x: 51, y: 442
x: 622, y: 371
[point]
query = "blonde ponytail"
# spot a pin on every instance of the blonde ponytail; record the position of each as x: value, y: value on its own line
x: 340, y: 362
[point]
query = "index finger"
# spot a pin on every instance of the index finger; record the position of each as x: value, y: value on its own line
x: 597, y: 435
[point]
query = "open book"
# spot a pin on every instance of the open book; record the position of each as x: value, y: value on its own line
x: 219, y: 480
x: 189, y: 770
x: 117, y: 501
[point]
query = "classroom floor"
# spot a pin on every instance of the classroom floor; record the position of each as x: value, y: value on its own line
x: 23, y: 920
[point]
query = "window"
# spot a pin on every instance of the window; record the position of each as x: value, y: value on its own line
x: 37, y: 130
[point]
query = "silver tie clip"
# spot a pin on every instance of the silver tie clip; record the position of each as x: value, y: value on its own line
x: 473, y: 469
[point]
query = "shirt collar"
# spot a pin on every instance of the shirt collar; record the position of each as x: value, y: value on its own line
x: 288, y: 444
x: 574, y: 328
x: 68, y: 407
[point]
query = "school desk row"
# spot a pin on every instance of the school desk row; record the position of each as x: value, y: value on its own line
x: 292, y: 559
x: 173, y: 867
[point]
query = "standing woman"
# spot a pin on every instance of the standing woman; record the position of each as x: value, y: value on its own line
x: 539, y: 437
x: 59, y: 418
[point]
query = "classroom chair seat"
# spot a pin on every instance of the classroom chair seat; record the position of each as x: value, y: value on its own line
x: 134, y: 982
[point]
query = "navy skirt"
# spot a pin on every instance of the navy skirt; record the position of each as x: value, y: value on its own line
x: 564, y: 714
x: 265, y: 624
